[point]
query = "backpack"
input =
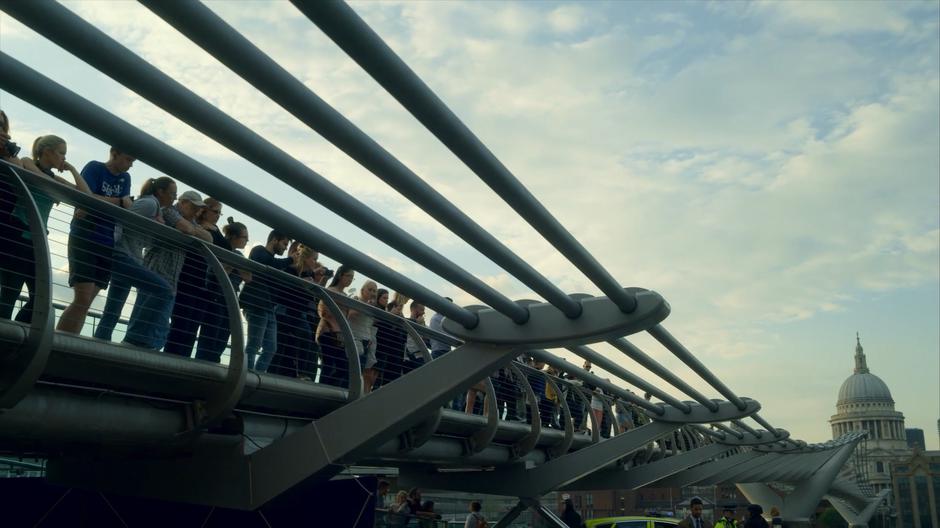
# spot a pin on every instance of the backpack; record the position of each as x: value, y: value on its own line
x: 481, y: 522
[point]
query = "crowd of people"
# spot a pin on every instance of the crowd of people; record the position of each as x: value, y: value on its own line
x: 401, y: 508
x: 180, y: 307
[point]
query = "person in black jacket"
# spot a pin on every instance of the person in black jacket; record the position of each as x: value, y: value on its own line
x: 571, y: 517
x: 755, y: 520
x: 258, y: 305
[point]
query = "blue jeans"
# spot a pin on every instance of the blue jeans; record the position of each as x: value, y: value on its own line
x: 150, y: 319
x: 262, y: 336
x: 117, y: 295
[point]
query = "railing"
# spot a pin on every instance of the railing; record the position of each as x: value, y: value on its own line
x: 517, y: 392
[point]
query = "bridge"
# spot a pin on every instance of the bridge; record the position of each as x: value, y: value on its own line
x: 226, y: 434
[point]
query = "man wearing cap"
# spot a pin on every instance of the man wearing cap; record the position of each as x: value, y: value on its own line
x: 165, y: 258
x: 695, y: 519
x: 727, y: 518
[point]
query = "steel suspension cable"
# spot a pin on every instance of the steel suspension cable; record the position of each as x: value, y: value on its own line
x: 363, y: 45
x: 90, y: 44
x: 46, y: 94
x: 208, y: 30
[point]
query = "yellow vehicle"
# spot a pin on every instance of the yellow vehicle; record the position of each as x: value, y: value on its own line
x: 632, y: 522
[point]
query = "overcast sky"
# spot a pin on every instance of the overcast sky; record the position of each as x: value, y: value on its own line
x: 770, y: 168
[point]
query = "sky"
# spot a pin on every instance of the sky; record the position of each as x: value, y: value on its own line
x: 771, y: 169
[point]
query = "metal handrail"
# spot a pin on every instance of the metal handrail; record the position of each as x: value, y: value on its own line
x: 28, y: 362
x: 43, y: 92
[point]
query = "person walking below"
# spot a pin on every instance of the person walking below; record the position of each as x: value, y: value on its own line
x: 570, y: 516
x: 695, y: 519
x: 476, y: 519
x: 727, y: 518
x: 754, y: 519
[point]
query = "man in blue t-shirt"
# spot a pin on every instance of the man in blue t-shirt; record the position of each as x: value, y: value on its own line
x: 91, y: 237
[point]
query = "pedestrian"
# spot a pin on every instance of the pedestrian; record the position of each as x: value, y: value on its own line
x: 258, y: 305
x: 168, y: 259
x: 363, y: 329
x: 475, y: 518
x: 194, y: 295
x: 413, y: 356
x: 569, y: 515
x: 695, y: 519
x: 755, y: 520
x: 18, y: 268
x: 329, y: 334
x: 295, y: 352
x: 727, y: 518
x: 775, y: 519
x: 390, y: 340
x: 216, y: 328
x: 154, y: 293
x: 91, y: 237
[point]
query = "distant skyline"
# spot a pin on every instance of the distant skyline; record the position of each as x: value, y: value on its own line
x: 772, y: 169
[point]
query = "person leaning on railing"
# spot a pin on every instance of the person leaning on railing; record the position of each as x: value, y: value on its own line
x: 166, y: 259
x: 295, y: 356
x: 194, y: 290
x: 363, y: 329
x: 329, y: 336
x: 215, y: 329
x: 258, y: 305
x: 154, y: 293
x: 390, y: 338
x: 413, y: 356
x: 91, y: 237
x: 19, y: 264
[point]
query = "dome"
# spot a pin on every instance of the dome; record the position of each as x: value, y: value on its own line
x: 864, y: 387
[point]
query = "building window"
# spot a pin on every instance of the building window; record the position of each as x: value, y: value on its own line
x: 880, y: 467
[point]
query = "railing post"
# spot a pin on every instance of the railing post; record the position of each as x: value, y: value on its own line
x: 421, y: 433
x: 24, y: 365
x: 529, y: 441
x: 220, y: 403
x: 349, y: 344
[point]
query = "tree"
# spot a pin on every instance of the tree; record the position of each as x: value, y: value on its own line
x: 831, y: 519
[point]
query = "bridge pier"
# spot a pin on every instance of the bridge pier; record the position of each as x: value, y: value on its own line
x: 798, y: 506
x: 535, y: 505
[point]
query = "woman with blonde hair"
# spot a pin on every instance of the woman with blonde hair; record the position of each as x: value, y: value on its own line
x: 19, y: 266
x: 363, y: 330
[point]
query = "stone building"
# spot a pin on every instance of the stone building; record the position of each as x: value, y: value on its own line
x: 865, y: 404
x: 916, y: 482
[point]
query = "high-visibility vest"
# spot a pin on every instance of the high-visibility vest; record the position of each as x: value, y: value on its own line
x: 726, y: 523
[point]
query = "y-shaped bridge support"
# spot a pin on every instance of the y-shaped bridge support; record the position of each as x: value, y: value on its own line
x: 855, y: 516
x: 315, y: 452
x: 798, y: 506
x: 547, y: 515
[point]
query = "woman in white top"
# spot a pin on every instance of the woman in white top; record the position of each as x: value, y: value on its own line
x: 363, y: 330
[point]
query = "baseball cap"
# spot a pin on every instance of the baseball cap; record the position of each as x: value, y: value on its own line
x: 193, y: 197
